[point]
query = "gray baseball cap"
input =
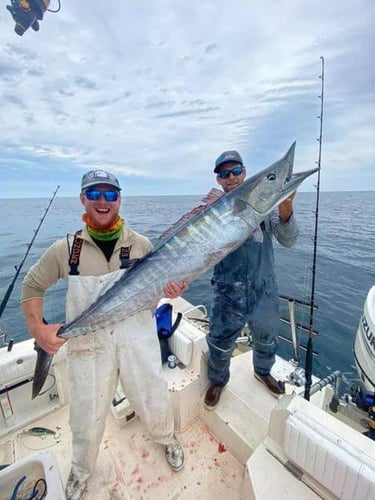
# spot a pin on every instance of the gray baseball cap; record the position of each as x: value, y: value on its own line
x: 99, y: 177
x: 227, y: 157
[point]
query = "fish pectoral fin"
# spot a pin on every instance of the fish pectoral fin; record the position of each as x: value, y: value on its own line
x: 242, y: 209
x: 239, y: 206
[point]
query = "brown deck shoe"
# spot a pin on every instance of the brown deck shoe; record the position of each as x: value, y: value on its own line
x: 275, y: 387
x: 212, y: 398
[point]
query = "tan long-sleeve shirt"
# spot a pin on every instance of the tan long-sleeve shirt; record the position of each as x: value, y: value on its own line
x: 54, y: 263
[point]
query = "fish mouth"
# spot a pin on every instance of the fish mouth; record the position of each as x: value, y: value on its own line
x: 293, y: 182
x: 289, y: 157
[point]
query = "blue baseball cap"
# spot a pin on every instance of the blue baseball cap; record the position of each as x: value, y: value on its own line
x: 227, y: 157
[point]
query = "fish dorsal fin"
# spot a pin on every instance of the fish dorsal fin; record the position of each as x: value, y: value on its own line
x: 214, y: 195
x: 209, y: 199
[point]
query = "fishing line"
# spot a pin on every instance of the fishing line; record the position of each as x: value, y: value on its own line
x: 41, y: 433
x: 22, y: 439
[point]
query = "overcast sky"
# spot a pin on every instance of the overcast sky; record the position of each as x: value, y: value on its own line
x: 155, y: 90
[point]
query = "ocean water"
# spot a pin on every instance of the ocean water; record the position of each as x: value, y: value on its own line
x: 345, y: 268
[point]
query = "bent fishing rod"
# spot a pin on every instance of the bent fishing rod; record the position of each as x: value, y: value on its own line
x: 309, y: 348
x: 19, y: 267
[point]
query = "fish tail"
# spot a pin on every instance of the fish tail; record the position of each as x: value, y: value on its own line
x: 42, y: 365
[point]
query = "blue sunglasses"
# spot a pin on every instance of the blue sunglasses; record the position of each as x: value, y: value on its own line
x: 236, y: 171
x: 95, y: 194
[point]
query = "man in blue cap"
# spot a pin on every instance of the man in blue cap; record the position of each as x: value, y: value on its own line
x: 91, y: 260
x: 245, y: 291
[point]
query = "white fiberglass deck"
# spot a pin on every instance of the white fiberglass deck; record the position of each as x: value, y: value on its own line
x: 251, y: 447
x: 131, y: 466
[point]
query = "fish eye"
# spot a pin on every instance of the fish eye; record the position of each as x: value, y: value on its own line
x: 271, y: 176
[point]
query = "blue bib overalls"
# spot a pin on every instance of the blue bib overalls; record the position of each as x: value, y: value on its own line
x: 245, y: 290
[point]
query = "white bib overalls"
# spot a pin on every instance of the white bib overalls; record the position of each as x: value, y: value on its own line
x: 129, y: 350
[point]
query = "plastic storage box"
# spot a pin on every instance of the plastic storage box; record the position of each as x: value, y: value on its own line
x: 34, y: 472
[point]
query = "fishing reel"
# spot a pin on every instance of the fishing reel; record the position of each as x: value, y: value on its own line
x: 28, y: 13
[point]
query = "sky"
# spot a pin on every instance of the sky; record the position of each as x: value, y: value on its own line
x: 154, y: 91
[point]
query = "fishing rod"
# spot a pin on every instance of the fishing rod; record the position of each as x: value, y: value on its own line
x: 309, y: 350
x: 18, y: 268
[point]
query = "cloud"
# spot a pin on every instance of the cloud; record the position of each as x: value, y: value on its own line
x: 13, y: 100
x: 7, y: 70
x: 156, y: 92
x: 187, y: 112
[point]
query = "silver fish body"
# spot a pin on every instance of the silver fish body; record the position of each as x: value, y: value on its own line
x: 193, y: 247
x: 195, y: 244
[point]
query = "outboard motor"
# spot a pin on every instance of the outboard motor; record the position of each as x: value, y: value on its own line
x: 364, y: 355
x: 364, y: 346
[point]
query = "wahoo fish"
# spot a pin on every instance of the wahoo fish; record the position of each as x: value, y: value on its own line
x: 198, y: 241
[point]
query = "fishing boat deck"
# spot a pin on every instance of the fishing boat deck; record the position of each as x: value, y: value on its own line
x: 244, y: 449
x: 131, y: 466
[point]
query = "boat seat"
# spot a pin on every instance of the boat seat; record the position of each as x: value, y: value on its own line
x: 330, y: 456
x: 339, y: 465
x: 17, y: 364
